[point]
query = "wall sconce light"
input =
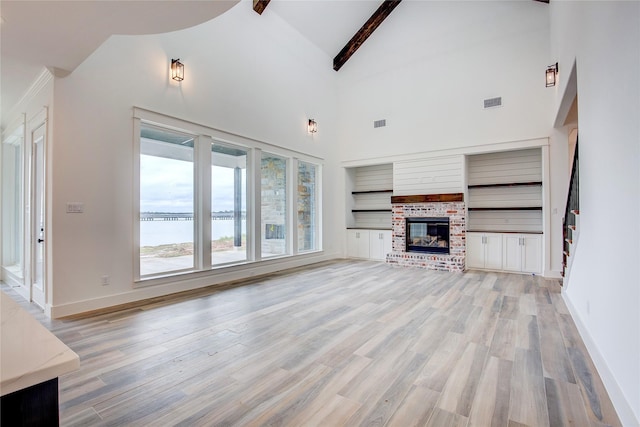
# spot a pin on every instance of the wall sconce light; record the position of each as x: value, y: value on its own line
x: 177, y: 70
x: 552, y: 74
x: 313, y: 126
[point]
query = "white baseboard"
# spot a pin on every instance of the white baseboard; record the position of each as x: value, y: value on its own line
x: 620, y: 402
x: 10, y: 278
x: 179, y: 284
x: 553, y: 274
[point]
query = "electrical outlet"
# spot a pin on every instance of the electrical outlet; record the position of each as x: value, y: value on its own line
x: 104, y: 280
x: 75, y: 207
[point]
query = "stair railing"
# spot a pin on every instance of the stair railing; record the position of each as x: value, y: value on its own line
x: 572, y: 208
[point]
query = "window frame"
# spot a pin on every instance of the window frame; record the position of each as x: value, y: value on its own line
x: 288, y: 203
x: 316, y: 202
x: 197, y: 222
x: 204, y: 139
x: 248, y: 203
x: 14, y: 194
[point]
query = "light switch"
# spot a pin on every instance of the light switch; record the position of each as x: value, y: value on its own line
x: 75, y: 207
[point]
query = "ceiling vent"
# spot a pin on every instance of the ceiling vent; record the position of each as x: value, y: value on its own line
x: 493, y: 102
x: 379, y: 123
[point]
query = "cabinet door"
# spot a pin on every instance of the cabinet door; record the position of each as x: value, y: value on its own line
x: 493, y: 251
x: 531, y: 253
x: 363, y: 243
x: 475, y: 250
x: 376, y: 245
x: 387, y: 245
x: 352, y: 243
x: 379, y: 244
x: 512, y: 252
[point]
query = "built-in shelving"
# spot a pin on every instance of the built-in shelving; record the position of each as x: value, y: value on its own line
x: 369, y: 190
x: 507, y: 184
x: 505, y: 192
x: 505, y: 232
x: 515, y: 208
x: 372, y: 192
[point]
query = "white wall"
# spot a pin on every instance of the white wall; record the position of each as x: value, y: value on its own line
x: 428, y: 68
x: 244, y: 73
x: 604, y: 287
x: 559, y: 170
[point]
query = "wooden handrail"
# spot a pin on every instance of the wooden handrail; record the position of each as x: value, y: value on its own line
x: 572, y: 207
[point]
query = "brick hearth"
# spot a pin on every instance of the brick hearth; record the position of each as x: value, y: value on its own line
x: 454, y: 261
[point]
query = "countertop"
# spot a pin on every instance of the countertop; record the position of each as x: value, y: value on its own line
x: 29, y: 353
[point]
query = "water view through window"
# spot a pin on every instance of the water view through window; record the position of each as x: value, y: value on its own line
x: 202, y: 202
x: 228, y: 204
x: 166, y: 202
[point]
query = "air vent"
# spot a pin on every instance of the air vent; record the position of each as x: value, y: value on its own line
x: 379, y: 123
x: 493, y: 102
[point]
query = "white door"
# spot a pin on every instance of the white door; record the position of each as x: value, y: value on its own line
x: 38, y: 294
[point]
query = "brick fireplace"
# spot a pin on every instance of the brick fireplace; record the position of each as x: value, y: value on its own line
x: 449, y: 206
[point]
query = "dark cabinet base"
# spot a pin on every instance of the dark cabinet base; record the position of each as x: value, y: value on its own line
x: 33, y: 406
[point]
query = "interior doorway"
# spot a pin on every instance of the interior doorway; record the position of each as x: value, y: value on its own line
x: 38, y: 216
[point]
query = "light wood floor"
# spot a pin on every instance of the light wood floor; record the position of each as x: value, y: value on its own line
x: 345, y: 343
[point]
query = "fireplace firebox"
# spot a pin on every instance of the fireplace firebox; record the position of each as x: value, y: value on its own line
x: 430, y: 235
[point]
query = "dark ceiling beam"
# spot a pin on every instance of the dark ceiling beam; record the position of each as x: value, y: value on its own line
x: 363, y: 33
x: 260, y: 5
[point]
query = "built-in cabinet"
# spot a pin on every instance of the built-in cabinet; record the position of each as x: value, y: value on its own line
x: 515, y: 252
x: 522, y: 253
x: 368, y: 244
x: 358, y: 243
x: 379, y: 244
x: 505, y: 211
x: 484, y: 250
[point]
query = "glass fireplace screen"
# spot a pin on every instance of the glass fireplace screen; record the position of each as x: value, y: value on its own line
x: 429, y: 235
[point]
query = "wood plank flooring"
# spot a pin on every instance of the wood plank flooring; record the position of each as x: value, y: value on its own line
x: 344, y: 343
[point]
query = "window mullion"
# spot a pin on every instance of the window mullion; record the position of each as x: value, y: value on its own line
x: 292, y: 208
x: 255, y: 243
x: 136, y: 200
x: 319, y: 208
x: 203, y: 202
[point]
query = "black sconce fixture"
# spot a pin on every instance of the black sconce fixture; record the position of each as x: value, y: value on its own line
x: 313, y: 126
x: 552, y: 74
x: 177, y: 70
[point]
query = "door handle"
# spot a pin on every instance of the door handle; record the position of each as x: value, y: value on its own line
x: 40, y: 240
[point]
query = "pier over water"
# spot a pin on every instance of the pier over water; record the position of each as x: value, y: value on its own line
x: 173, y: 216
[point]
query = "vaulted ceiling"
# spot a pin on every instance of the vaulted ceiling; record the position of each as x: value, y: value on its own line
x: 61, y: 34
